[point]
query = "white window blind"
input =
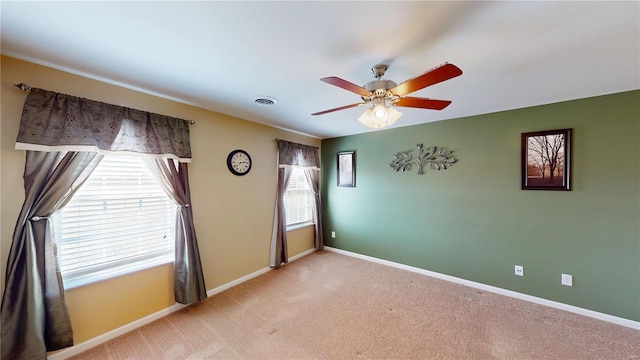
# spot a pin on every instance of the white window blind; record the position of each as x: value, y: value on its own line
x: 298, y: 200
x: 119, y: 221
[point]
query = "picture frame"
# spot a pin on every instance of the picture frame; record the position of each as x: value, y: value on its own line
x: 546, y: 160
x: 346, y: 161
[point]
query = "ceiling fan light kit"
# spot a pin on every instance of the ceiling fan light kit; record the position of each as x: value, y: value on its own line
x: 379, y: 115
x: 386, y: 94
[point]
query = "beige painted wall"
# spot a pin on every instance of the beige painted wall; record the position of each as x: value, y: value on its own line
x: 233, y: 215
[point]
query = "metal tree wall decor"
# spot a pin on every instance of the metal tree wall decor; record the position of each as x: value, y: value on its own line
x: 436, y: 158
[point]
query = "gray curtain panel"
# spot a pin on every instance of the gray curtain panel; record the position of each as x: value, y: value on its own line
x: 34, y: 315
x: 279, y: 236
x: 299, y: 155
x: 313, y: 178
x: 188, y: 283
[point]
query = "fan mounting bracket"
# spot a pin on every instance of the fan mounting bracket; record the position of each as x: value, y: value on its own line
x: 379, y: 70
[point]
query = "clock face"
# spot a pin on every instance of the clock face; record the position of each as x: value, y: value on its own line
x: 239, y: 162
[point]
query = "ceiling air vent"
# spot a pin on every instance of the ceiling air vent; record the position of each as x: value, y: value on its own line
x: 265, y: 101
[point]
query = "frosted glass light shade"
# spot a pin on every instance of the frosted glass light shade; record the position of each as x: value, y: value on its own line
x: 379, y: 116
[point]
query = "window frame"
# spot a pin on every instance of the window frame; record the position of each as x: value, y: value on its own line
x: 80, y: 277
x: 304, y: 223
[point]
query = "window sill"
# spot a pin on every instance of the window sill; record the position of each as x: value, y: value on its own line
x: 300, y: 226
x: 82, y: 280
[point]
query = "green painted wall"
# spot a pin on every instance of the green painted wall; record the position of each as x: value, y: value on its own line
x: 472, y: 221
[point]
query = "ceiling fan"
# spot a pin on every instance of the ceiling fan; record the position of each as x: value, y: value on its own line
x: 383, y: 94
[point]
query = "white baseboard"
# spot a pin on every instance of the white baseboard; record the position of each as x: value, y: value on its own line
x: 255, y: 274
x: 84, y: 346
x: 302, y: 254
x: 554, y: 304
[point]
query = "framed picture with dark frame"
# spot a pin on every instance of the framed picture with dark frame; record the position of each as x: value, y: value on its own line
x: 546, y: 160
x: 346, y: 168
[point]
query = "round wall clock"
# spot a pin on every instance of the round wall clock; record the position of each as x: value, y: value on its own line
x: 239, y: 162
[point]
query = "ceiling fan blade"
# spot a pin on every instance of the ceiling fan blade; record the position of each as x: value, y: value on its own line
x: 334, y: 80
x: 434, y: 76
x: 423, y: 103
x: 338, y: 108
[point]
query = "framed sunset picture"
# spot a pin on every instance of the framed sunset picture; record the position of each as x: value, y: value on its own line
x: 546, y: 160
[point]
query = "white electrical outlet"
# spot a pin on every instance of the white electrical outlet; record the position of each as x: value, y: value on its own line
x: 567, y: 280
x: 519, y: 269
x: 333, y: 234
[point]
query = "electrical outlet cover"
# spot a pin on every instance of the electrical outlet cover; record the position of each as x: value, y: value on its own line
x: 519, y: 270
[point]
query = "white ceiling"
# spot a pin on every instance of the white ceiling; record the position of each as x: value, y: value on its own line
x: 223, y: 55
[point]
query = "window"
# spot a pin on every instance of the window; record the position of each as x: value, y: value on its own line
x: 298, y: 200
x: 119, y: 221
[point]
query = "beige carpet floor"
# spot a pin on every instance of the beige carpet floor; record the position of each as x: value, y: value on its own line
x: 330, y: 306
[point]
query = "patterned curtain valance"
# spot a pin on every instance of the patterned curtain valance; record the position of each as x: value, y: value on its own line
x: 58, y: 122
x: 297, y: 154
